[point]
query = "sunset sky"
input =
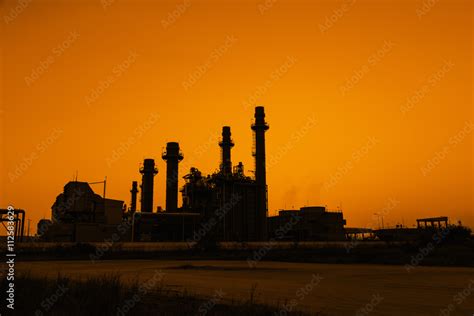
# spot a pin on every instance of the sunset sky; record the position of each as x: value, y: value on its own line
x: 369, y: 103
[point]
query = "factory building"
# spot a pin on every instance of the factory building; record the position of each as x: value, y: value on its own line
x: 227, y: 205
x: 165, y: 226
x: 78, y: 214
x: 309, y: 223
x: 233, y: 205
x: 227, y: 202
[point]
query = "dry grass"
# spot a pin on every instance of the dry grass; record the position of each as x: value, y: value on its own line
x: 108, y: 295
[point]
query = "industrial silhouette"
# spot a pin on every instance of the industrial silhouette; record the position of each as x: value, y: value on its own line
x: 227, y: 205
x: 148, y: 172
x: 172, y: 156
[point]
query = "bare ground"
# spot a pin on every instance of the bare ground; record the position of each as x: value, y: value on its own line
x: 335, y: 289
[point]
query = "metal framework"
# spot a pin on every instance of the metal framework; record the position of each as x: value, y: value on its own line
x: 19, y: 220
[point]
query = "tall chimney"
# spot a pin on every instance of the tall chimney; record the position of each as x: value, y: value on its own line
x: 172, y: 156
x: 226, y: 145
x: 148, y: 172
x: 259, y: 128
x: 133, y: 202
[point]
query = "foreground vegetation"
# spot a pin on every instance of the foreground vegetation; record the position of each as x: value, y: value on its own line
x: 108, y: 295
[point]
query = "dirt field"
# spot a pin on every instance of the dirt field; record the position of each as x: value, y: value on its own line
x: 331, y: 288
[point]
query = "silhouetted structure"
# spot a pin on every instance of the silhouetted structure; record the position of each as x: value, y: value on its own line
x: 259, y: 128
x: 165, y: 226
x: 43, y: 226
x: 133, y: 200
x: 226, y: 205
x: 78, y: 214
x: 148, y: 172
x: 358, y: 233
x: 172, y: 156
x: 18, y: 220
x: 427, y: 230
x: 308, y: 223
x: 232, y: 202
x: 226, y: 145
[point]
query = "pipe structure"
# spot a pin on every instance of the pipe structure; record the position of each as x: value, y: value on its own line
x: 133, y: 202
x: 259, y: 128
x: 148, y: 172
x: 172, y: 156
x: 226, y: 145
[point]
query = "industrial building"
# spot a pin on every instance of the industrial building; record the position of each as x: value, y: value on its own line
x: 309, y: 223
x: 227, y: 205
x: 79, y: 214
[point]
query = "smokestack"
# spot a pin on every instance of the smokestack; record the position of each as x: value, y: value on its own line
x: 172, y: 156
x: 226, y: 145
x: 259, y: 128
x: 133, y: 202
x: 148, y: 172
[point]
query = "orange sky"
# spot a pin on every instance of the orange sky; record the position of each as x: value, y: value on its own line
x: 369, y: 103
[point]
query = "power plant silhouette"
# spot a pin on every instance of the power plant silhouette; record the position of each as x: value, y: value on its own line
x: 227, y: 205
